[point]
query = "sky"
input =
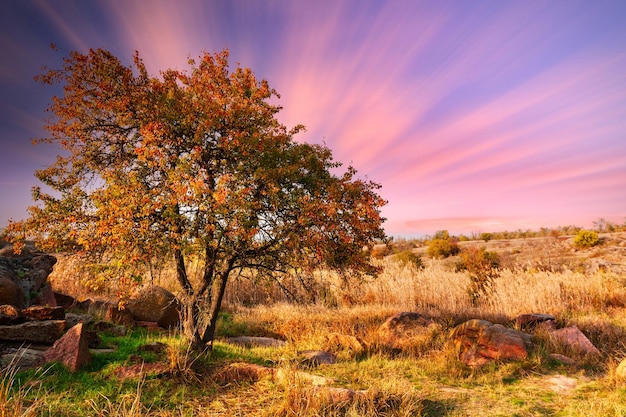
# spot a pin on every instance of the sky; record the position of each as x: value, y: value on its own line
x: 474, y: 116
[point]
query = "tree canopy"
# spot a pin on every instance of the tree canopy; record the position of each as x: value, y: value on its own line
x: 193, y: 163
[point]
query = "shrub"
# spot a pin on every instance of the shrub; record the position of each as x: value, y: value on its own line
x: 586, y: 238
x: 409, y: 258
x: 486, y: 236
x: 442, y: 248
x: 482, y: 267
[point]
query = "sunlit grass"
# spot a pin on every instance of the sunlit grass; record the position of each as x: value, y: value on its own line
x: 424, y: 379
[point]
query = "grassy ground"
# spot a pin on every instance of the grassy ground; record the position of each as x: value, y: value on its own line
x: 423, y: 380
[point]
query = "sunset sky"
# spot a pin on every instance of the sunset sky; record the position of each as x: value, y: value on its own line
x: 473, y: 115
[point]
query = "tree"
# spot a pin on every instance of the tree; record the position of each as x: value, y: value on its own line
x: 194, y: 163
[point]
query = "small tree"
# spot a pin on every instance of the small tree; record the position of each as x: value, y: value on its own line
x: 194, y: 164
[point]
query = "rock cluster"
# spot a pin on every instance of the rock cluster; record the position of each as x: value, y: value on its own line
x: 30, y: 313
x: 24, y: 276
x: 479, y: 341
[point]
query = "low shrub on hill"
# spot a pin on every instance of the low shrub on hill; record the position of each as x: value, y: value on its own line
x: 586, y: 238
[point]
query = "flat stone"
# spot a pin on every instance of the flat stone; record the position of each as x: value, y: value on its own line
x: 251, y: 341
x: 44, y: 313
x: 23, y: 359
x: 33, y: 331
x: 563, y: 359
x: 73, y: 319
x: 318, y: 357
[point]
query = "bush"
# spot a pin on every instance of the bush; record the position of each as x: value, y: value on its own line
x: 442, y: 248
x: 482, y: 267
x: 586, y: 238
x: 486, y: 236
x: 409, y: 258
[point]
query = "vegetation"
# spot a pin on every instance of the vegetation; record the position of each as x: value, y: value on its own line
x: 193, y: 165
x: 482, y: 267
x: 442, y: 245
x: 424, y: 380
x: 409, y: 258
x: 586, y: 238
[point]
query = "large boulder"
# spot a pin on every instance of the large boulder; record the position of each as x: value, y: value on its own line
x: 405, y: 329
x: 72, y: 350
x: 10, y: 292
x: 46, y: 332
x: 29, y: 270
x: 574, y: 339
x: 480, y: 341
x: 155, y: 304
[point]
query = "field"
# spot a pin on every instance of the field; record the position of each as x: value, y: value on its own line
x: 582, y: 287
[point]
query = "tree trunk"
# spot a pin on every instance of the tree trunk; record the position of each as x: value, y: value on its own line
x: 216, y: 303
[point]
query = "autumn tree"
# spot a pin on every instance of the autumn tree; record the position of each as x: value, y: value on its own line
x: 193, y: 163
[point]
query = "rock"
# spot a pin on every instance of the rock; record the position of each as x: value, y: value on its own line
x: 11, y: 293
x: 72, y: 319
x: 29, y: 271
x: 44, y: 313
x: 93, y: 339
x: 119, y: 315
x: 96, y: 307
x: 405, y: 329
x: 72, y: 350
x: 45, y: 297
x: 317, y: 357
x: 562, y: 384
x: 110, y: 328
x: 573, y: 338
x: 563, y: 359
x: 599, y: 265
x: 250, y: 341
x: 9, y: 314
x: 65, y: 301
x: 23, y: 359
x: 479, y: 341
x: 154, y: 303
x: 530, y: 321
x: 46, y: 332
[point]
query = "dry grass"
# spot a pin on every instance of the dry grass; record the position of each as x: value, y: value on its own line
x: 541, y: 276
x: 16, y: 396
